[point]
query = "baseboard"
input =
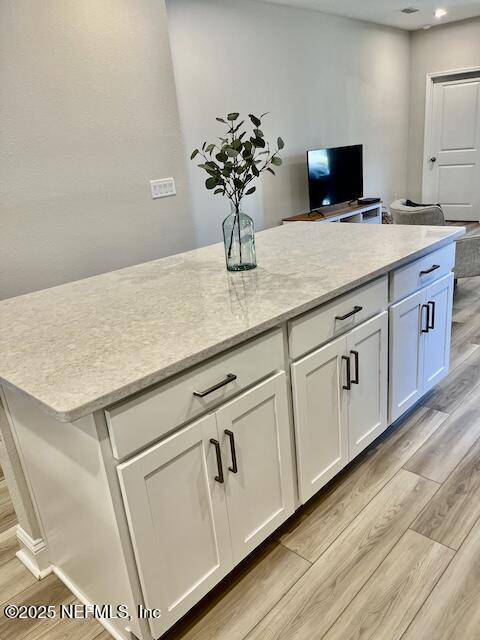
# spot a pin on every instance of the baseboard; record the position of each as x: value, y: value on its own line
x: 33, y: 554
x: 106, y: 624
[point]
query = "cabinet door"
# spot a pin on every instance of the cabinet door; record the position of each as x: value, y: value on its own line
x: 436, y: 354
x: 257, y: 452
x: 407, y: 319
x: 178, y: 520
x: 320, y: 417
x: 367, y: 401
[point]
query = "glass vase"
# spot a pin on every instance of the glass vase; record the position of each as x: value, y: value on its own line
x: 239, y: 241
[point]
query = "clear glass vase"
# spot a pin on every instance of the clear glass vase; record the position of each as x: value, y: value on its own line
x: 239, y: 240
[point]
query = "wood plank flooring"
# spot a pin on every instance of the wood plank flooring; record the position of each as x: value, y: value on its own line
x: 321, y: 595
x: 389, y: 550
x: 389, y: 601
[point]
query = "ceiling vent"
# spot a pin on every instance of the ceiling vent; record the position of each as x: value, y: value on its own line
x: 409, y: 10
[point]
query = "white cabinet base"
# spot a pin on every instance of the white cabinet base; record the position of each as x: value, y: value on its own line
x: 259, y: 481
x: 367, y: 407
x: 436, y: 354
x: 178, y: 520
x: 406, y: 354
x: 320, y: 417
x: 198, y: 502
x: 340, y: 402
x: 420, y: 330
x: 168, y: 524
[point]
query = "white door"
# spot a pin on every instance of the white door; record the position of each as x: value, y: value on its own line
x: 436, y: 353
x: 452, y: 169
x: 177, y: 515
x: 257, y: 454
x: 408, y: 322
x: 367, y: 398
x: 319, y: 402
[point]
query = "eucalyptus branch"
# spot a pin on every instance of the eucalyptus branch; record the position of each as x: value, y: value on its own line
x: 234, y: 164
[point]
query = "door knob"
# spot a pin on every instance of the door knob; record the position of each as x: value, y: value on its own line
x: 433, y: 159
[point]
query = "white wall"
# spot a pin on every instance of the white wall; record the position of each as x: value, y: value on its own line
x: 326, y: 80
x: 88, y: 116
x: 443, y: 48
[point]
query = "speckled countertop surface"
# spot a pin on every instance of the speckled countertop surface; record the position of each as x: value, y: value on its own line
x: 84, y: 345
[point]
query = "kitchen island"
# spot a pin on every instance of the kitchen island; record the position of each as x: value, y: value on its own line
x: 164, y: 419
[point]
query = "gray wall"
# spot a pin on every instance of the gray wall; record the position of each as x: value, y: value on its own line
x: 445, y: 48
x: 326, y: 80
x: 88, y: 116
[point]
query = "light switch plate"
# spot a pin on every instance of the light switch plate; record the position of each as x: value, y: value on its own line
x: 162, y: 188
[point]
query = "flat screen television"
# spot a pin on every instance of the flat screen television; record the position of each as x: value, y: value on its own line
x: 335, y: 175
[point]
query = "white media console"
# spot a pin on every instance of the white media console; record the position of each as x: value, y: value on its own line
x: 365, y: 214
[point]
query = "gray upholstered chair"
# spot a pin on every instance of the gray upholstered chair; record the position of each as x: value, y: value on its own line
x: 467, y: 262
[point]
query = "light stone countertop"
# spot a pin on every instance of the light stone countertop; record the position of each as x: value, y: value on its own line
x: 81, y: 346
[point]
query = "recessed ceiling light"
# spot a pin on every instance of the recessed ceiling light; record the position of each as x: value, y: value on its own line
x: 440, y: 13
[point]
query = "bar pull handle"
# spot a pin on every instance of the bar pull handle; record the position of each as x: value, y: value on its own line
x: 356, y: 356
x: 218, y: 453
x: 431, y: 318
x: 434, y: 267
x: 348, y: 386
x: 355, y: 310
x: 231, y: 437
x: 201, y: 394
x: 427, y: 307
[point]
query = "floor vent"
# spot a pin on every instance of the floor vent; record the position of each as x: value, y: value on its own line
x: 409, y: 10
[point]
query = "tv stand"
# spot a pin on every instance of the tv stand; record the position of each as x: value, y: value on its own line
x: 356, y: 213
x: 334, y: 208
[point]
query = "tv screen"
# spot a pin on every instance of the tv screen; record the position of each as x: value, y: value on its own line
x: 335, y: 175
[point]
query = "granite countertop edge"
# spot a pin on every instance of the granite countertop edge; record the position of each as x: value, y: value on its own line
x: 71, y: 414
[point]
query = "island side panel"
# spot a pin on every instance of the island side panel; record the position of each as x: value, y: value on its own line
x: 65, y: 470
x: 33, y: 552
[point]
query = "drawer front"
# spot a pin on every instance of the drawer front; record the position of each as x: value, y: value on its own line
x: 422, y: 272
x: 147, y: 417
x: 322, y: 324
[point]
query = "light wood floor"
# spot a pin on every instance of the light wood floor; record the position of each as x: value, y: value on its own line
x: 389, y: 550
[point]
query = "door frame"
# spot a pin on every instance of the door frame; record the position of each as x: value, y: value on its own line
x: 427, y: 140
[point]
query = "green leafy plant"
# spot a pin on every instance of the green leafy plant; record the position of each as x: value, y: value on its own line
x: 240, y: 156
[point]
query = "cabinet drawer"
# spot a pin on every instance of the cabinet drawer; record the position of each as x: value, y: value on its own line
x: 422, y: 272
x: 148, y: 416
x: 320, y: 325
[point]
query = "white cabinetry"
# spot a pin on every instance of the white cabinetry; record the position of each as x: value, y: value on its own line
x: 368, y: 397
x: 420, y: 330
x: 203, y: 448
x: 256, y: 452
x: 340, y: 402
x: 320, y: 417
x: 436, y: 353
x: 201, y: 500
x: 178, y: 521
x: 406, y: 354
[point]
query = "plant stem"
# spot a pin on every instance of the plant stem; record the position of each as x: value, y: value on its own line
x: 239, y: 238
x: 231, y: 235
